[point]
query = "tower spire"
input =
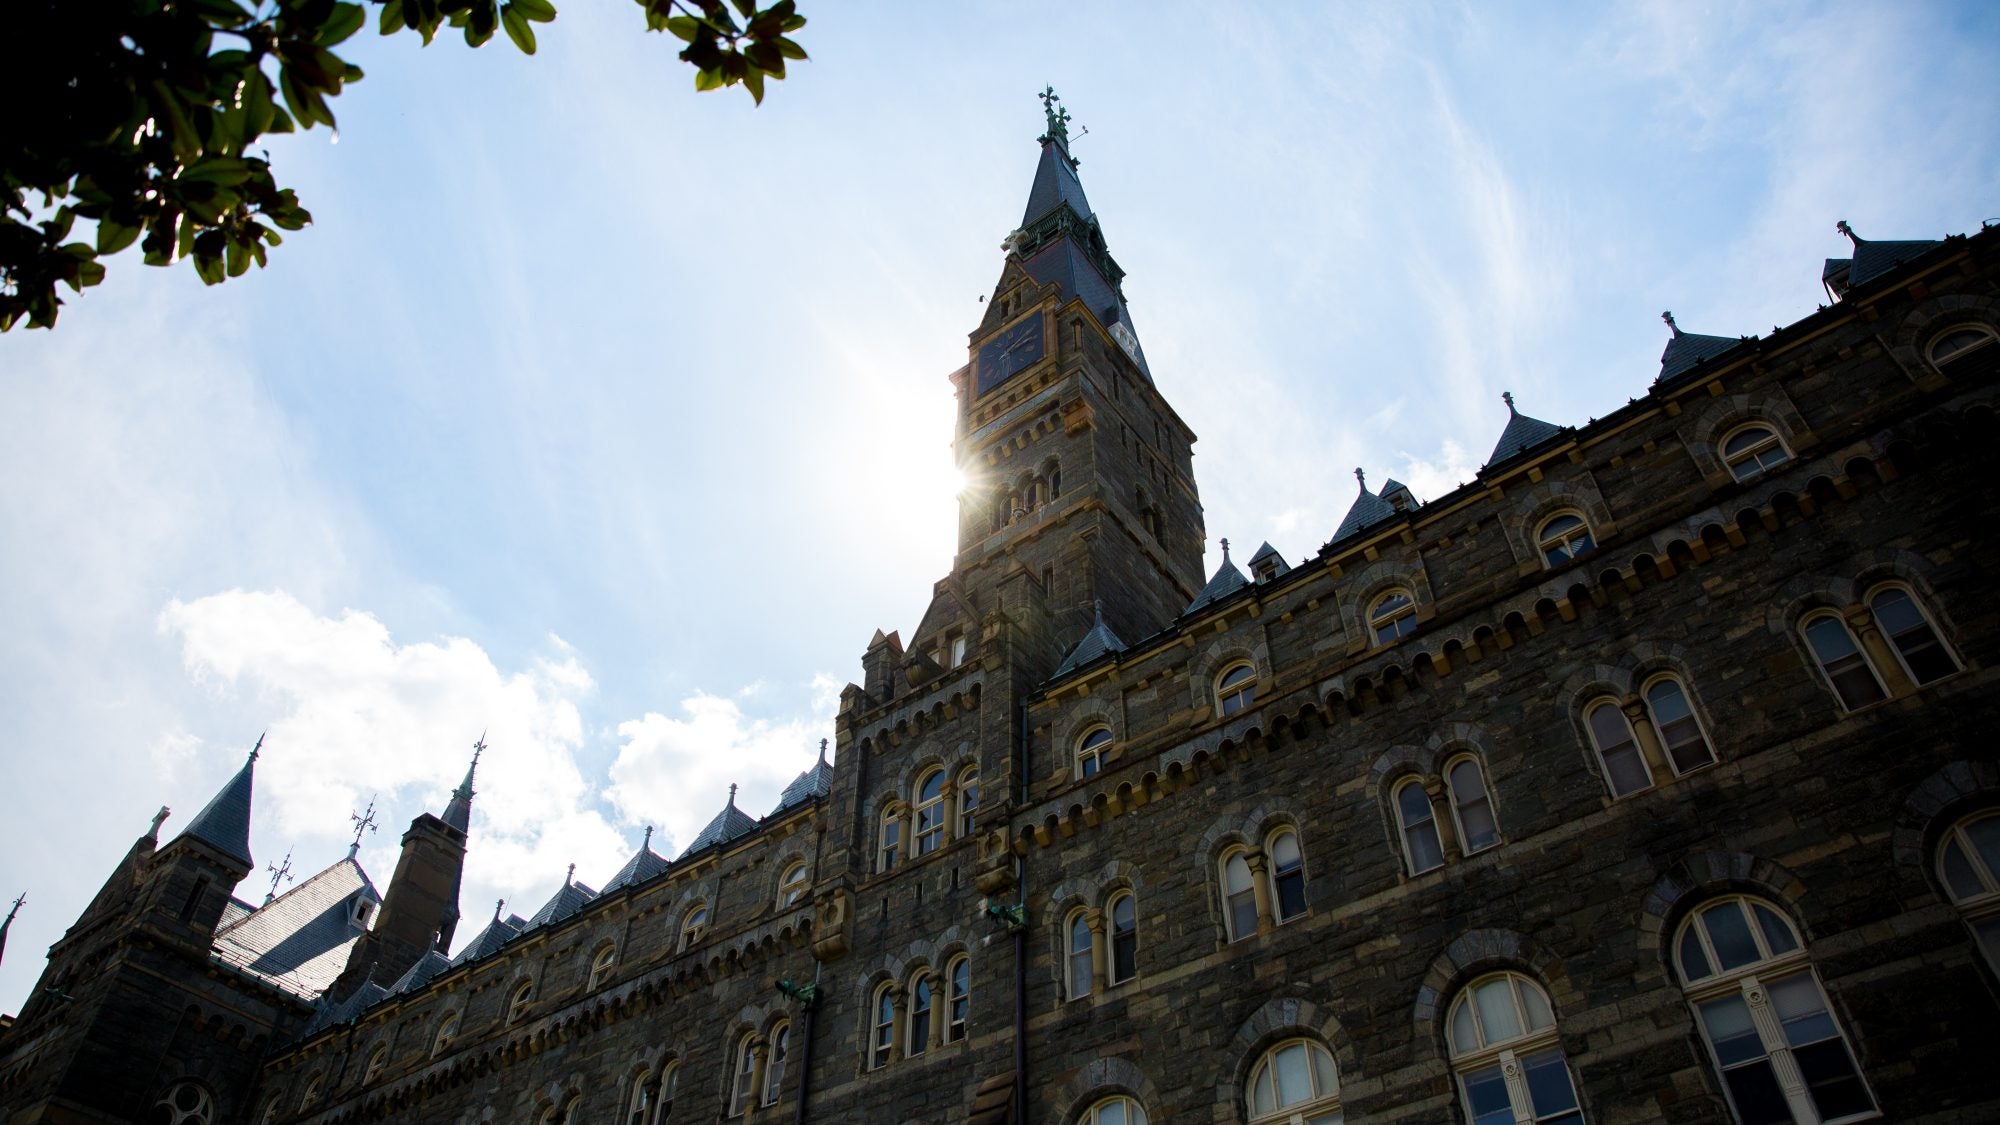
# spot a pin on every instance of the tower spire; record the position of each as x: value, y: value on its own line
x: 458, y: 813
x: 9, y: 923
x: 224, y: 823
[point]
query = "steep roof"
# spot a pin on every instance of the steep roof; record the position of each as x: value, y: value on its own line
x: 815, y: 782
x: 422, y: 973
x: 1269, y: 552
x: 1873, y: 259
x: 1227, y: 580
x: 1064, y: 264
x: 300, y: 940
x: 568, y: 899
x: 458, y: 813
x: 1367, y: 510
x: 644, y: 864
x: 1686, y: 349
x: 728, y: 824
x: 1056, y: 183
x: 1522, y: 433
x: 497, y: 933
x: 1096, y: 643
x: 224, y: 823
x: 331, y: 1014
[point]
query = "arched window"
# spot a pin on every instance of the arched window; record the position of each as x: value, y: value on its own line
x: 1236, y: 688
x: 378, y: 1060
x: 744, y: 1068
x: 1841, y: 661
x: 693, y: 925
x: 1753, y: 451
x: 1288, y: 874
x: 930, y: 812
x: 1055, y: 481
x: 670, y: 1081
x: 447, y: 1030
x: 1239, y: 895
x: 793, y: 884
x: 1471, y: 805
x: 1295, y: 1083
x: 1421, y: 846
x: 310, y: 1097
x: 958, y: 1007
x: 968, y: 799
x: 1617, y: 748
x: 639, y: 1108
x: 1764, y: 1017
x: 882, y: 1039
x: 601, y: 966
x: 890, y: 837
x: 1090, y: 751
x: 1959, y: 344
x: 1124, y: 919
x: 1392, y: 615
x: 1969, y: 868
x: 917, y: 1033
x: 774, y: 1064
x: 1506, y: 1054
x: 272, y: 1109
x: 1915, y: 640
x: 184, y: 1103
x: 1077, y: 963
x: 1681, y: 735
x: 517, y: 1006
x: 1563, y: 538
x: 1120, y: 1110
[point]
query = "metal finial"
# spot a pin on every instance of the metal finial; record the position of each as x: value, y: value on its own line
x: 498, y: 906
x: 732, y: 794
x: 570, y: 874
x: 254, y: 750
x: 280, y: 872
x: 1669, y: 318
x: 364, y: 823
x: 822, y: 751
x: 1508, y: 398
x: 479, y: 748
x: 648, y: 845
x: 159, y: 818
x: 1843, y: 228
x: 16, y: 908
x: 1225, y: 552
x: 1361, y: 477
x: 1058, y: 117
x: 1097, y: 606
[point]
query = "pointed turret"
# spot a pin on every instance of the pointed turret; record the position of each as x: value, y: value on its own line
x: 224, y: 823
x: 644, y: 864
x: 1099, y: 641
x: 1522, y: 432
x: 1267, y: 563
x: 1367, y: 510
x: 458, y: 813
x: 1227, y: 580
x: 1687, y: 350
x: 813, y: 783
x: 1870, y: 261
x: 728, y: 824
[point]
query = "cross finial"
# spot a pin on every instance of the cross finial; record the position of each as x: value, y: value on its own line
x: 159, y: 818
x: 479, y: 748
x: 1669, y: 318
x: 255, y: 750
x: 570, y: 874
x: 1361, y: 477
x: 280, y: 872
x: 364, y: 823
x: 1058, y: 117
x: 16, y: 908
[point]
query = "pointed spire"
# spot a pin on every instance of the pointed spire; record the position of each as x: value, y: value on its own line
x: 9, y: 923
x: 458, y: 813
x: 1508, y: 398
x: 822, y: 751
x: 570, y: 875
x: 1058, y: 117
x: 1225, y: 552
x: 1227, y: 580
x: 1522, y: 432
x: 224, y: 823
x: 1096, y: 612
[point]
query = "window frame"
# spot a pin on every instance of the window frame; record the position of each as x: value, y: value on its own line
x: 693, y: 924
x: 917, y: 1014
x: 1093, y: 746
x: 928, y: 813
x: 1990, y: 339
x: 201, y: 1113
x: 1980, y: 909
x: 378, y: 1061
x: 1404, y: 828
x: 1753, y: 455
x: 447, y: 1030
x: 1277, y: 874
x: 1451, y: 766
x: 1231, y: 928
x: 1591, y: 709
x: 601, y: 964
x: 1511, y: 1053
x: 518, y: 1000
x: 640, y: 1102
x: 776, y: 1050
x: 958, y: 998
x: 1317, y: 1104
x: 1567, y: 539
x: 794, y: 883
x: 1928, y: 620
x: 1860, y: 652
x: 881, y: 1032
x: 743, y: 1075
x: 1235, y: 693
x: 1077, y: 986
x: 1646, y: 690
x: 1114, y: 937
x: 1382, y: 616
x: 966, y: 800
x: 888, y: 839
x: 1134, y: 1111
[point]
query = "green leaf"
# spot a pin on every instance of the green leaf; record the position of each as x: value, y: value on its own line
x: 788, y: 48
x: 345, y: 20
x: 391, y: 19
x: 226, y: 171
x: 708, y: 79
x: 237, y: 256
x: 539, y: 11
x: 257, y: 107
x: 113, y: 236
x: 221, y: 13
x: 517, y: 28
x: 754, y: 80
x: 684, y: 28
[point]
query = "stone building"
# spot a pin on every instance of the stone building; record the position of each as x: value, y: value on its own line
x: 1640, y: 779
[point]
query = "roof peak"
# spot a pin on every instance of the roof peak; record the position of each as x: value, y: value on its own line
x: 458, y: 812
x: 224, y: 823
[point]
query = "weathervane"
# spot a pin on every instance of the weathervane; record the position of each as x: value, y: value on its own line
x: 280, y: 872
x: 364, y: 823
x: 1058, y: 118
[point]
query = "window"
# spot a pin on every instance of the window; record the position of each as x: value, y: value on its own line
x: 640, y: 1110
x: 1295, y: 1083
x: 968, y: 799
x: 930, y: 812
x: 891, y: 837
x: 1471, y: 805
x: 1114, y: 1111
x: 1617, y: 748
x: 184, y: 1103
x: 1681, y: 735
x: 917, y: 1036
x: 669, y: 1082
x: 745, y: 1069
x: 524, y: 994
x: 1077, y: 963
x: 774, y: 1065
x: 1910, y: 632
x: 958, y: 1008
x: 957, y: 645
x: 883, y: 1036
x: 1846, y: 670
x: 1393, y: 615
x: 1753, y: 451
x: 311, y: 1096
x: 1236, y: 688
x: 378, y: 1059
x: 1762, y: 1014
x: 1959, y: 343
x: 1421, y: 846
x: 1090, y: 751
x: 1239, y: 896
x: 1288, y: 875
x: 691, y: 928
x: 1564, y: 538
x: 446, y: 1032
x: 793, y: 884
x: 1124, y: 917
x: 272, y: 1109
x: 1505, y: 1052
x: 601, y: 966
x: 1969, y: 868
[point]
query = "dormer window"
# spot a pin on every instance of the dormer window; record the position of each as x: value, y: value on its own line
x: 364, y: 911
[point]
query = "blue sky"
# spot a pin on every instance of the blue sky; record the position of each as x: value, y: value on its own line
x: 612, y: 418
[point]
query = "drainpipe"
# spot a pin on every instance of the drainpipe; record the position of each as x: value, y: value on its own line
x: 806, y: 1049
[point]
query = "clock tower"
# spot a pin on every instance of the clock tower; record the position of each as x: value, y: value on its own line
x: 1080, y: 475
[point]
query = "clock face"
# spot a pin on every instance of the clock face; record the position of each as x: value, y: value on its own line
x: 1006, y: 354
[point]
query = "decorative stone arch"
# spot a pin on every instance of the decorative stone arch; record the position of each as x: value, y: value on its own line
x: 1473, y: 954
x: 1103, y: 1078
x: 1457, y: 736
x: 1396, y: 763
x: 1695, y: 879
x: 701, y: 893
x: 1274, y: 1020
x: 1270, y: 820
x: 1805, y: 593
x: 935, y: 759
x: 1930, y: 318
x: 889, y: 968
x: 926, y: 952
x: 1070, y: 729
x: 797, y: 849
x: 1225, y: 832
x: 1719, y: 417
x: 1229, y: 650
x: 1548, y: 499
x: 1939, y: 800
x: 1371, y: 581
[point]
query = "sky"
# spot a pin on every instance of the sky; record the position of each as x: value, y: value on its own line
x: 610, y: 419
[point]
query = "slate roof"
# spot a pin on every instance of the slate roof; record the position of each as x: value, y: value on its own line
x: 224, y: 822
x: 1227, y: 581
x: 1269, y: 552
x: 300, y: 940
x: 331, y: 1014
x: 496, y: 934
x: 815, y: 782
x: 1065, y: 264
x: 1873, y: 259
x: 1686, y: 349
x: 1522, y: 433
x: 458, y: 813
x: 422, y: 973
x: 643, y: 865
x: 233, y: 911
x: 568, y: 899
x: 1367, y: 510
x: 1056, y: 183
x: 728, y: 824
x: 1099, y: 641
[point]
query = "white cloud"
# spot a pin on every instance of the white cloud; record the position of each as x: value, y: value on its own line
x: 1432, y: 477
